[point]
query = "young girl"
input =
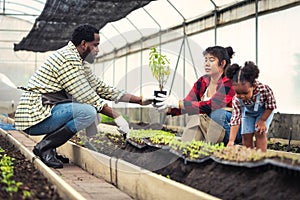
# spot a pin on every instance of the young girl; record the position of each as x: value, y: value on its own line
x: 253, y: 106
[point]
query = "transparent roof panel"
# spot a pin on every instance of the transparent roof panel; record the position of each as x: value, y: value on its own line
x: 192, y: 8
x: 26, y: 9
x: 148, y: 25
x: 156, y: 16
x: 163, y: 13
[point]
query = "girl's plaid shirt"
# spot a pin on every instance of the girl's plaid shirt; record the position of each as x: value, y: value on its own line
x: 266, y: 96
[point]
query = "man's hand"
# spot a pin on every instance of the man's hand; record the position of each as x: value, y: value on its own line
x: 123, y: 125
x: 146, y: 100
x: 165, y: 101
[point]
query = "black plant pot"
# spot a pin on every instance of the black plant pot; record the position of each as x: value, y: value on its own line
x: 156, y: 92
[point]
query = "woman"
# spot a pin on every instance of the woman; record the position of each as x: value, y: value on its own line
x: 211, y: 94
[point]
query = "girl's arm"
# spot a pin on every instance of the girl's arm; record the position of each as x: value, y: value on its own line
x: 261, y: 123
x: 233, y: 133
x: 270, y: 105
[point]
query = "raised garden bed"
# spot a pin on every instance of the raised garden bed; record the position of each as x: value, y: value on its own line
x: 214, y: 175
x: 32, y: 184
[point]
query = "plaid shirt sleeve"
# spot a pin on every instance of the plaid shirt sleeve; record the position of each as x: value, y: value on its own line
x: 105, y: 91
x: 236, y: 116
x: 267, y: 96
x: 222, y: 98
x: 71, y: 77
x: 62, y: 70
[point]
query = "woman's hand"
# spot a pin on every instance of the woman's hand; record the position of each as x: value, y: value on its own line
x: 165, y: 101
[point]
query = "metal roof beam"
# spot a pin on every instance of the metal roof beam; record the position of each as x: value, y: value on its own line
x: 227, y: 15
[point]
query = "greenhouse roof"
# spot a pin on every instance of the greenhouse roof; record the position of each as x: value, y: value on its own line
x: 52, y: 29
x: 54, y: 20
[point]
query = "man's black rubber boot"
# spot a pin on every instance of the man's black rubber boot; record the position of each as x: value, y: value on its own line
x: 48, y: 157
x: 45, y: 149
x: 62, y: 158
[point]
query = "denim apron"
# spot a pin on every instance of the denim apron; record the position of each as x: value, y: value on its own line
x: 251, y: 111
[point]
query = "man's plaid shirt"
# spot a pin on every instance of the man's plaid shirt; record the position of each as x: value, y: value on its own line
x: 64, y: 69
x: 221, y: 99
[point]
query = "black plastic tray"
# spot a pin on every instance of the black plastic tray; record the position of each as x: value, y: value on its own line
x: 149, y: 143
x: 140, y: 146
x: 176, y: 153
x: 240, y: 164
x: 283, y: 165
x: 198, y: 160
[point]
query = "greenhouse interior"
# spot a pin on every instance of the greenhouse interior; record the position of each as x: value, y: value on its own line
x: 81, y: 120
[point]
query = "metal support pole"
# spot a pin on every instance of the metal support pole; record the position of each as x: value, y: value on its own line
x: 156, y: 23
x: 126, y: 60
x: 193, y: 63
x: 102, y: 34
x: 114, y: 72
x: 290, y: 138
x: 126, y: 78
x: 3, y: 7
x: 120, y: 33
x: 176, y: 66
x: 183, y: 82
x: 216, y: 19
x: 141, y: 73
x: 141, y: 80
x: 256, y: 31
x: 182, y: 46
x: 108, y: 40
x: 162, y: 118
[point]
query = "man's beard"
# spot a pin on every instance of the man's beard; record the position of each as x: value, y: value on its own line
x: 89, y: 56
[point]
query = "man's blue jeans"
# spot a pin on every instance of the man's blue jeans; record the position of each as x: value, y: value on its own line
x: 222, y: 117
x: 75, y: 116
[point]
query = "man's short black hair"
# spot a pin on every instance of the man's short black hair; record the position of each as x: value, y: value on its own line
x: 84, y: 32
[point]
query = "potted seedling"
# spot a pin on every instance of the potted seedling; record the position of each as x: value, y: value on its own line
x: 160, y: 68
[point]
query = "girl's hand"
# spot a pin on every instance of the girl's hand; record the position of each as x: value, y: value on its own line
x: 230, y: 144
x: 261, y: 126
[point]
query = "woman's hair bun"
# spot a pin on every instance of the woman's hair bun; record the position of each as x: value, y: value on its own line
x: 229, y: 51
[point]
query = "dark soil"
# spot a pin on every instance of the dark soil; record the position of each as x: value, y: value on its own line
x: 25, y: 172
x: 284, y: 147
x: 222, y: 181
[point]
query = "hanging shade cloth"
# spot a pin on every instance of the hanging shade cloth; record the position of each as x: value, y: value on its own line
x: 53, y: 28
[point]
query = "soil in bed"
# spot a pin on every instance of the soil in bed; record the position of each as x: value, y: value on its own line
x: 222, y: 181
x: 24, y: 171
